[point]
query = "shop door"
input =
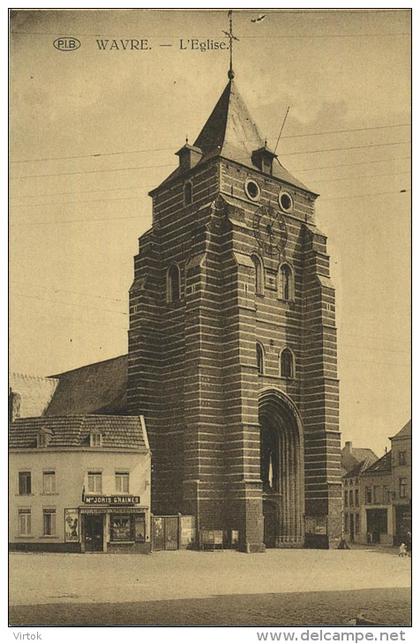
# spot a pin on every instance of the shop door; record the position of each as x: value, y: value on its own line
x: 94, y: 533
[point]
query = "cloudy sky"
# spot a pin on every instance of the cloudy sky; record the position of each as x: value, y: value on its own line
x: 92, y: 131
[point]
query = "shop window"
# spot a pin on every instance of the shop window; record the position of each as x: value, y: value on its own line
x: 173, y: 284
x: 48, y: 482
x: 402, y: 458
x: 286, y: 283
x: 403, y: 487
x: 95, y: 482
x: 259, y: 274
x: 122, y: 482
x: 260, y: 359
x: 25, y: 483
x: 49, y: 523
x: 287, y: 364
x: 121, y: 527
x: 24, y: 523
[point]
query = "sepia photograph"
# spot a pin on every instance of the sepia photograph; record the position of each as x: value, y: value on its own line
x: 209, y: 389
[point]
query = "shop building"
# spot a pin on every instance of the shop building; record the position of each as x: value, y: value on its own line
x: 79, y: 483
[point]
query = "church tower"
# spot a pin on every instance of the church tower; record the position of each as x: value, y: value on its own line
x: 232, y: 343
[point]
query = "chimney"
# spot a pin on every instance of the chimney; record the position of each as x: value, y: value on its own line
x: 348, y: 446
x: 14, y: 405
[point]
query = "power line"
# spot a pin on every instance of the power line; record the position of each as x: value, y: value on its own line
x: 83, y: 306
x: 347, y: 165
x: 65, y: 203
x: 360, y: 176
x: 327, y: 167
x: 80, y: 192
x: 72, y: 221
x: 370, y: 194
x: 355, y: 129
x: 353, y: 147
x: 70, y: 203
x: 60, y: 174
x: 110, y: 219
x: 62, y: 290
x: 291, y: 136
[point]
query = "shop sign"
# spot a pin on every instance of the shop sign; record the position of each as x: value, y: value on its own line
x: 111, y: 500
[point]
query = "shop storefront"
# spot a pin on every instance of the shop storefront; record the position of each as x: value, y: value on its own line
x: 114, y: 524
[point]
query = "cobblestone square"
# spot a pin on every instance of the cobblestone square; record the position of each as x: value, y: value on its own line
x: 279, y: 587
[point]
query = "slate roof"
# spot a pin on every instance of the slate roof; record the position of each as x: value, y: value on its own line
x: 231, y: 132
x: 124, y: 432
x: 357, y: 455
x: 35, y: 392
x: 382, y: 465
x: 358, y: 469
x: 405, y: 432
x: 99, y: 388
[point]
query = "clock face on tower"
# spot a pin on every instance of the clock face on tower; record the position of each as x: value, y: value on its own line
x: 270, y: 230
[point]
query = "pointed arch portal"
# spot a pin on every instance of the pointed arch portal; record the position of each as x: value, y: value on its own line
x: 282, y: 475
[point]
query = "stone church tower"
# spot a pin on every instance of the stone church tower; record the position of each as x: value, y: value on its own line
x: 232, y: 343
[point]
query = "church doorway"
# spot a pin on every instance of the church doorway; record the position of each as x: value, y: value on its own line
x: 281, y: 459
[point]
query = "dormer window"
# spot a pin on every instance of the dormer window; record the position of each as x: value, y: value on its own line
x: 263, y: 159
x: 95, y: 439
x: 44, y: 437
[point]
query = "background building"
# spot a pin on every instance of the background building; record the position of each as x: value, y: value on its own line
x: 401, y: 482
x: 79, y: 483
x: 354, y: 460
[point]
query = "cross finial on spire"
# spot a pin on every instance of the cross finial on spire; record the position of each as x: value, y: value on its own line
x: 229, y: 34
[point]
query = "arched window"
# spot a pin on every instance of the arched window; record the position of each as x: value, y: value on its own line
x: 188, y: 193
x: 287, y: 285
x: 173, y: 284
x: 287, y: 364
x: 259, y: 274
x: 260, y: 358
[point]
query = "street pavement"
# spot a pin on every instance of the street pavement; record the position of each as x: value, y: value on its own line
x: 220, y: 588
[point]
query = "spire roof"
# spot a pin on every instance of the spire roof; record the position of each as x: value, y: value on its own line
x: 230, y: 132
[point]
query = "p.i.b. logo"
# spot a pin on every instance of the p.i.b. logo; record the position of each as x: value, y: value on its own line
x: 67, y: 43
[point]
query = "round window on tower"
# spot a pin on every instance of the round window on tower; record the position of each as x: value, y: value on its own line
x: 252, y: 190
x: 285, y: 201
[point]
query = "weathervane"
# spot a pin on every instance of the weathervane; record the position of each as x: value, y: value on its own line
x: 229, y: 34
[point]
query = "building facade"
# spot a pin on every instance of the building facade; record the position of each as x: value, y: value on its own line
x: 377, y: 516
x: 401, y: 482
x: 354, y: 461
x: 232, y: 343
x: 79, y: 483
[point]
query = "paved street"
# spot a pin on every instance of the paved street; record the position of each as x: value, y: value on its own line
x: 278, y: 587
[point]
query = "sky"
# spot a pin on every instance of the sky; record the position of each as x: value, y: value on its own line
x: 92, y: 131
